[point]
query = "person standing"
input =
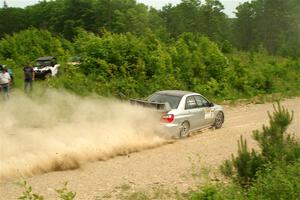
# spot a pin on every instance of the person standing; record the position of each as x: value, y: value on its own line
x: 28, y: 78
x: 4, y: 83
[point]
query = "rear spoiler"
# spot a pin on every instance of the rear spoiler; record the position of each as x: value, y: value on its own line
x: 147, y: 104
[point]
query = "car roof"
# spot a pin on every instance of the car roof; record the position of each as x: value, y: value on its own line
x: 179, y: 93
x: 45, y: 58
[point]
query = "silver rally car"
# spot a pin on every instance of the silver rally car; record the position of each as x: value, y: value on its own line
x: 184, y: 112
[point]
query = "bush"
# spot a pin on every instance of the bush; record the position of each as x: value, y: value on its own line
x: 218, y: 192
x: 275, y: 143
x: 244, y: 166
x: 276, y: 146
x: 28, y: 194
x: 279, y: 182
x: 32, y: 43
x: 140, y: 65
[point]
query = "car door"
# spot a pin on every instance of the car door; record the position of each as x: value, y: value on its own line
x: 208, y: 115
x: 196, y: 113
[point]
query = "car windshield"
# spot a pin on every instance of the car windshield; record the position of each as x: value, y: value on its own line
x: 43, y: 63
x: 163, y: 98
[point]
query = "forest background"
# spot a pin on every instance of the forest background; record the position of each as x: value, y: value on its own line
x: 127, y: 49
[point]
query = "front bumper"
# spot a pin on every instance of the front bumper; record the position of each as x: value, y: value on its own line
x: 38, y: 74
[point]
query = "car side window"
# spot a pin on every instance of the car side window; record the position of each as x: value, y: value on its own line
x: 201, y: 102
x: 190, y: 103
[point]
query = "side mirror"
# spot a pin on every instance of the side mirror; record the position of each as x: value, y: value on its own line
x: 211, y: 104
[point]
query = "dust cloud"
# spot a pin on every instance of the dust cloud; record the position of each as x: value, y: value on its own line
x: 61, y: 131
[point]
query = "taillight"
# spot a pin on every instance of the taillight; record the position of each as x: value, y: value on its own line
x: 167, y: 118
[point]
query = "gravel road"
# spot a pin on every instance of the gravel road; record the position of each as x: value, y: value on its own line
x: 171, y: 165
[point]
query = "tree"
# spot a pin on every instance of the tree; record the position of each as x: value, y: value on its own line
x: 277, y: 146
x: 12, y: 20
x: 193, y: 16
x: 271, y: 24
x: 244, y: 26
x: 5, y: 4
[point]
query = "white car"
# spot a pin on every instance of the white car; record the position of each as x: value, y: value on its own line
x: 46, y: 67
x: 184, y: 112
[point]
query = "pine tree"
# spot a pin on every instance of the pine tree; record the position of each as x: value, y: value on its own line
x: 5, y: 4
x: 276, y: 146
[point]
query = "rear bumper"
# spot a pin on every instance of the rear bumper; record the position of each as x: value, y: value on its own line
x: 173, y: 130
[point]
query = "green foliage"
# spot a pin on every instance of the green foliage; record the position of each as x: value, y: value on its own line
x: 244, y: 166
x: 194, y: 16
x: 206, y: 193
x: 272, y: 173
x: 126, y: 48
x: 275, y: 143
x: 64, y: 17
x: 64, y: 193
x: 269, y: 24
x: 30, y: 44
x: 19, y: 49
x: 227, y: 168
x: 279, y: 182
x: 12, y: 20
x: 28, y: 194
x: 276, y: 181
x: 276, y: 146
x: 273, y: 24
x: 218, y: 192
x: 136, y: 66
x: 246, y: 163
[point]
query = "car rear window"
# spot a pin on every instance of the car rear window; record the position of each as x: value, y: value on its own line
x: 163, y: 98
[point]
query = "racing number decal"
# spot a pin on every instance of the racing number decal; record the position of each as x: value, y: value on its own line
x: 209, y: 113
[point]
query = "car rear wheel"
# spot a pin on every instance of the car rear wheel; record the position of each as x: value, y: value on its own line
x: 184, y: 129
x: 219, y: 120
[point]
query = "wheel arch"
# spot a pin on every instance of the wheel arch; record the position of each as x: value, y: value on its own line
x: 180, y: 131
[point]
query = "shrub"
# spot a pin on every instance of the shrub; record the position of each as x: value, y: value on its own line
x: 279, y: 182
x: 245, y: 164
x: 28, y: 194
x: 275, y: 143
x: 218, y: 192
x: 64, y: 193
x: 276, y: 146
x: 32, y: 43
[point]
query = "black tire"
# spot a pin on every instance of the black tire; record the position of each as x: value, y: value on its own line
x: 184, y: 129
x: 47, y: 76
x: 219, y: 120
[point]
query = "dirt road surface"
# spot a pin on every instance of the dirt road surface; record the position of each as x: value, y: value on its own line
x: 170, y: 165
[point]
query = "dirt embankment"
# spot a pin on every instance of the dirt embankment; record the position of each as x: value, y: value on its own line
x: 54, y: 135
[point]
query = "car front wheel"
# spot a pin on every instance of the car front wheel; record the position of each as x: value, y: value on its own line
x: 48, y: 75
x: 219, y: 120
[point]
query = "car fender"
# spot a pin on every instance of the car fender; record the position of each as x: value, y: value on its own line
x: 180, y: 117
x: 217, y: 109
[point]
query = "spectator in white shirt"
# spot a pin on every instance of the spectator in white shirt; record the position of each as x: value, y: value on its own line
x: 4, y: 83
